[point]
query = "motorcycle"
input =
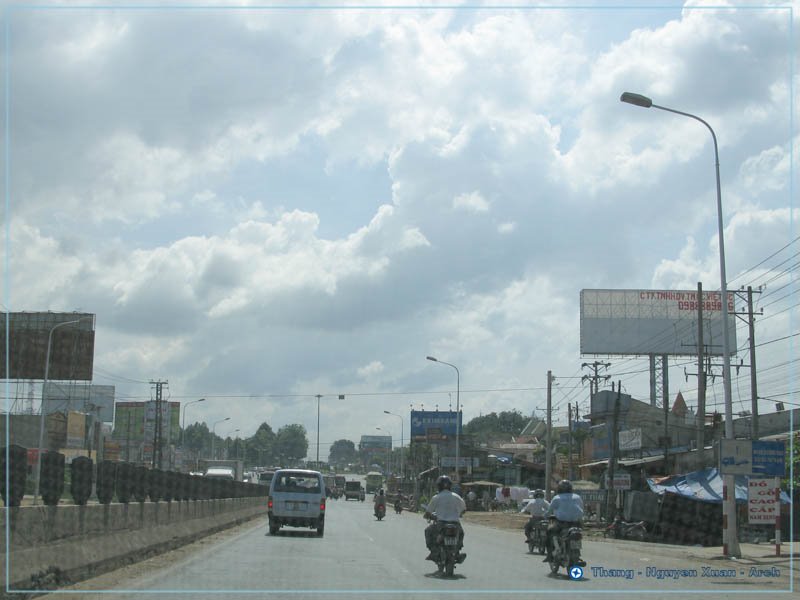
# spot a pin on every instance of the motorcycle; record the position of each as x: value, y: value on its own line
x: 380, y: 511
x: 538, y: 538
x: 445, y: 551
x: 622, y: 530
x: 398, y: 507
x: 567, y: 549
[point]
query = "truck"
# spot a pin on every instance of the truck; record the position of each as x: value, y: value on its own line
x: 225, y: 473
x: 353, y: 489
x: 237, y: 466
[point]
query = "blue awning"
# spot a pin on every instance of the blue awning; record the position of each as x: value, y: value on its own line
x: 704, y: 486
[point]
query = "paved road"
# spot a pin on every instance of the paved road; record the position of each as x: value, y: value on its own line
x: 361, y: 556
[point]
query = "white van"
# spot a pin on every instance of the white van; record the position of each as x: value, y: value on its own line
x: 296, y: 498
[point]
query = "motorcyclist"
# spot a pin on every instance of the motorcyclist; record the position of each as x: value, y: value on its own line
x: 380, y: 499
x: 448, y: 507
x: 537, y: 509
x: 566, y: 510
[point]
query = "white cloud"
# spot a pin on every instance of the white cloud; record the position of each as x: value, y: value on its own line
x: 370, y: 370
x: 471, y: 202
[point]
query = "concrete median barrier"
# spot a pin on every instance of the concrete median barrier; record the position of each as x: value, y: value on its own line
x: 76, y: 542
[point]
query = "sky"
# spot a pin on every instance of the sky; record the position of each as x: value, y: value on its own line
x: 264, y: 203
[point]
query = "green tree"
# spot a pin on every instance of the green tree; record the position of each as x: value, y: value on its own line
x: 291, y: 443
x: 197, y: 438
x: 261, y: 446
x: 494, y: 425
x: 342, y: 452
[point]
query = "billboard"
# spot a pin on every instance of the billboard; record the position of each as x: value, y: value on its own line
x: 71, y: 345
x: 662, y: 322
x: 375, y: 441
x: 433, y: 424
x: 97, y: 400
x: 129, y: 421
x: 76, y: 430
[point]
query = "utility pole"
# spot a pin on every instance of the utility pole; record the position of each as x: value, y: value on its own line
x: 701, y: 381
x: 753, y: 380
x: 569, y: 441
x: 594, y: 380
x: 157, y: 435
x: 611, y: 492
x: 665, y: 402
x: 548, y: 438
x: 754, y: 433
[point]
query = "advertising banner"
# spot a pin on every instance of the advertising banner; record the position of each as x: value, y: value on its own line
x: 763, y: 507
x: 97, y: 400
x: 443, y: 421
x: 630, y: 439
x: 662, y: 322
x: 76, y: 430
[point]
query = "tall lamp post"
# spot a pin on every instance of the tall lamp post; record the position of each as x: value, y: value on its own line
x: 183, y: 419
x: 729, y: 534
x: 402, y: 470
x: 42, y: 417
x: 318, y: 396
x: 227, y: 448
x: 214, y: 435
x: 458, y: 410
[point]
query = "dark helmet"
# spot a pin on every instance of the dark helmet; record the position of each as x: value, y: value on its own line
x: 538, y: 494
x: 564, y: 487
x: 443, y: 483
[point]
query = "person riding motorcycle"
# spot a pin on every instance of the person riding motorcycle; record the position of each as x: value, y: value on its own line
x: 448, y: 507
x: 537, y: 509
x: 380, y: 499
x: 566, y: 510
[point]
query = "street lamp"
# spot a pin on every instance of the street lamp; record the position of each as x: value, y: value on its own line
x: 731, y: 544
x: 388, y: 452
x: 458, y: 409
x: 214, y: 435
x: 227, y: 448
x: 318, y: 396
x: 183, y: 420
x: 402, y: 470
x: 44, y: 385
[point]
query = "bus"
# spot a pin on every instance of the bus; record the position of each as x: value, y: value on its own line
x: 374, y: 481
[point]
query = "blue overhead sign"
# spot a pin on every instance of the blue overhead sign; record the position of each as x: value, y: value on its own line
x: 769, y: 458
x: 423, y: 422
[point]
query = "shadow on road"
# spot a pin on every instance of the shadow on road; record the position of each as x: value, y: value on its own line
x: 437, y: 575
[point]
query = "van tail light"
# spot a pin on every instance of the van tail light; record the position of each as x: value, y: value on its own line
x: 322, y: 504
x: 269, y: 502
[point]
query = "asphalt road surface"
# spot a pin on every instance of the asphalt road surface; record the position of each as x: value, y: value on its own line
x: 359, y: 556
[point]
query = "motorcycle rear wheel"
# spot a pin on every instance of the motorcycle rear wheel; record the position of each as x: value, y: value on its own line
x: 448, y: 568
x: 553, y: 566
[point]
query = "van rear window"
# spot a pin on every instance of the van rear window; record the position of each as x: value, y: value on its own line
x: 288, y: 482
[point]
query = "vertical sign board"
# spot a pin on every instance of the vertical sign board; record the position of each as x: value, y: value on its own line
x: 763, y: 506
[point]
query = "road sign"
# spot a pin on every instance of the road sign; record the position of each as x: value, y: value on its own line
x: 622, y: 481
x: 747, y: 457
x: 769, y: 458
